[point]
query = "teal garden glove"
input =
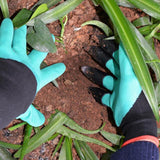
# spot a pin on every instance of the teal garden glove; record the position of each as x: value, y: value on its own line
x: 122, y: 85
x: 13, y: 47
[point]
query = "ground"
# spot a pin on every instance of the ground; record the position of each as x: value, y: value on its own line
x: 72, y: 96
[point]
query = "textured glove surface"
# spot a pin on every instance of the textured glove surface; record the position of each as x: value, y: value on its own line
x: 13, y: 46
x: 122, y: 85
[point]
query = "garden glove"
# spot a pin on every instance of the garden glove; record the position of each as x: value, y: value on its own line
x: 13, y: 52
x: 121, y: 90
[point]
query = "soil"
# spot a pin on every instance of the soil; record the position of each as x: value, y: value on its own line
x: 72, y: 96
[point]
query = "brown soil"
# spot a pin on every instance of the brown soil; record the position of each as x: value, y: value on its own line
x: 72, y: 96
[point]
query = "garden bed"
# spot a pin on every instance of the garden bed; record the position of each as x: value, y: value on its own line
x: 72, y: 96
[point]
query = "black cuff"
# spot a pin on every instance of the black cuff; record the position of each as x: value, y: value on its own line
x: 139, y: 120
x: 17, y: 90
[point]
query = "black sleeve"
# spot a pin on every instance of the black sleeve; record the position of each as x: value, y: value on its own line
x: 141, y: 150
x: 17, y: 90
x: 139, y: 121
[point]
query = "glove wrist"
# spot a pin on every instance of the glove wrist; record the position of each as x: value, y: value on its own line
x: 139, y: 120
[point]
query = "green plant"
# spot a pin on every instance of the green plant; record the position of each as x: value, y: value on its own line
x: 138, y: 48
x: 70, y: 132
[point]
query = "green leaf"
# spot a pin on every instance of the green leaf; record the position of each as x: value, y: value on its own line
x: 73, y: 125
x: 78, y: 149
x: 27, y: 134
x: 150, y: 7
x: 49, y: 3
x: 58, y: 146
x: 41, y: 9
x: 133, y: 50
x: 57, y: 12
x: 4, y: 8
x: 5, y: 155
x: 62, y: 155
x: 87, y: 151
x: 71, y: 134
x: 124, y: 3
x: 142, y: 21
x: 147, y: 51
x: 44, y: 134
x: 68, y: 147
x: 40, y: 38
x: 9, y: 145
x: 157, y: 88
x: 147, y: 29
x: 101, y: 25
x: 16, y: 126
x: 113, y: 138
x: 22, y: 18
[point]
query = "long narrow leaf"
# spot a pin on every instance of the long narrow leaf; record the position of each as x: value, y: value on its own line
x: 133, y: 51
x: 58, y: 146
x: 99, y: 24
x: 44, y: 134
x: 68, y: 148
x: 78, y: 149
x: 5, y: 155
x: 9, y: 145
x: 49, y: 3
x: 150, y: 7
x: 4, y: 8
x: 87, y: 151
x: 73, y: 125
x: 57, y: 12
x: 27, y: 134
x: 69, y: 133
x: 148, y: 53
x: 113, y: 138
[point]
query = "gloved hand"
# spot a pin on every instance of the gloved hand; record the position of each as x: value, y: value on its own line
x: 123, y: 84
x: 13, y: 47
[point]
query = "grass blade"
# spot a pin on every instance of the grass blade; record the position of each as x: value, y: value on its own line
x: 142, y: 21
x: 150, y: 7
x: 44, y: 134
x: 57, y: 12
x: 147, y: 51
x: 4, y: 8
x: 113, y: 138
x: 5, y: 155
x: 49, y: 3
x: 78, y: 149
x: 58, y: 146
x: 73, y: 125
x: 9, y: 145
x: 27, y: 134
x: 125, y: 3
x: 71, y: 134
x: 87, y: 151
x: 133, y: 51
x: 16, y: 126
x: 68, y: 147
x: 62, y: 155
x: 99, y: 24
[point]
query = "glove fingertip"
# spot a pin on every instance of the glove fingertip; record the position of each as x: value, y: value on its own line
x: 106, y: 100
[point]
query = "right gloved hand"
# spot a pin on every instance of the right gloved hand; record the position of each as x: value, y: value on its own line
x: 123, y: 84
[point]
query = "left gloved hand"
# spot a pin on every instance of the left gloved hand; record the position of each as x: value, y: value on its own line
x: 13, y: 47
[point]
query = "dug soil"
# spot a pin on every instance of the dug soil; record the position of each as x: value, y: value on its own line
x: 72, y: 96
